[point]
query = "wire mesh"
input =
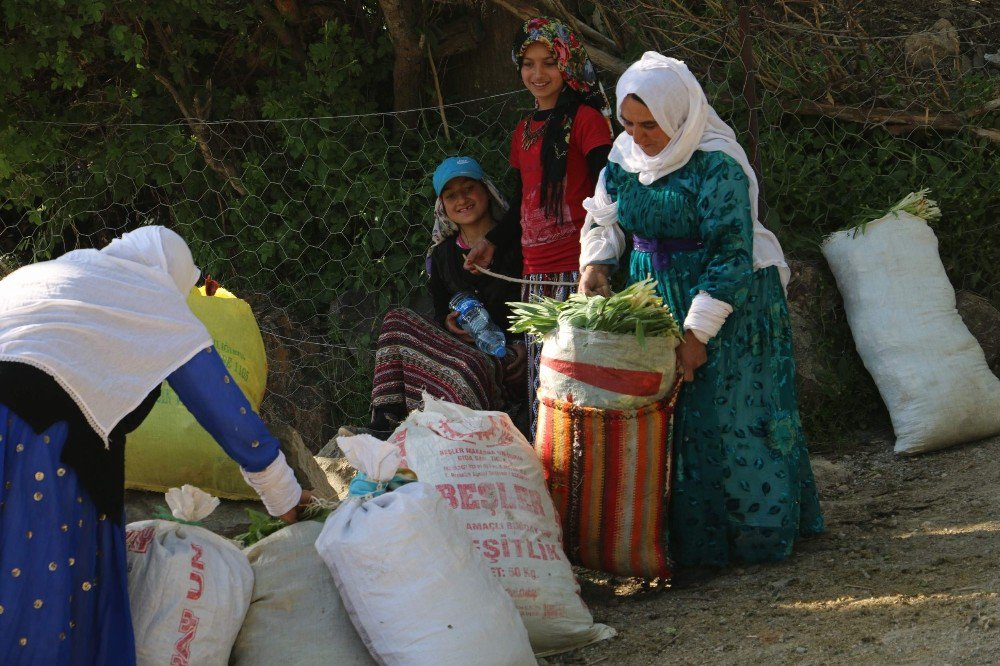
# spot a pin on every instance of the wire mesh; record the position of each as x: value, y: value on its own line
x: 322, y: 223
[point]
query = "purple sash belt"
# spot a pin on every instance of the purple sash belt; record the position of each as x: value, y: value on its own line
x: 661, y: 248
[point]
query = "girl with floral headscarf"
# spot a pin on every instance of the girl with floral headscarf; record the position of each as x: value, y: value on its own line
x: 680, y: 184
x: 558, y: 152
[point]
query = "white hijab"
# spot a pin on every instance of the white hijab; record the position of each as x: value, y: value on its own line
x: 109, y: 325
x: 678, y: 104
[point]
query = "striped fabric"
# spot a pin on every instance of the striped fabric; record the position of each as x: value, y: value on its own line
x: 415, y: 355
x: 608, y: 472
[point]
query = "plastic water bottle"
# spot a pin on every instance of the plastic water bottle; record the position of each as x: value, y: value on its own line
x: 474, y: 318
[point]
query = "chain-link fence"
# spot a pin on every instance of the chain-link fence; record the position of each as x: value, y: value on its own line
x: 323, y: 223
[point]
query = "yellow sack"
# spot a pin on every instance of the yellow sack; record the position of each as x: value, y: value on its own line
x: 170, y: 449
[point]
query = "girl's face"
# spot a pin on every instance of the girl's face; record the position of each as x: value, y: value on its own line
x: 644, y: 130
x: 541, y: 75
x: 466, y: 200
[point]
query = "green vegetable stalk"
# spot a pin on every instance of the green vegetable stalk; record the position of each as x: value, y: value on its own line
x: 635, y: 310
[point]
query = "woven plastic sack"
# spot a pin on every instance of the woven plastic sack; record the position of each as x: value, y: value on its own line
x: 608, y: 472
x: 607, y: 370
x: 296, y: 615
x: 414, y: 585
x: 188, y: 590
x: 170, y: 448
x: 489, y: 475
x: 930, y: 371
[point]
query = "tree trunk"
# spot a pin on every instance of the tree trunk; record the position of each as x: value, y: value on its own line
x: 401, y: 19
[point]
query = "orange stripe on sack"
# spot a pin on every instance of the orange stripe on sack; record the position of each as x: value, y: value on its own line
x: 616, y: 380
x: 640, y: 499
x: 593, y: 481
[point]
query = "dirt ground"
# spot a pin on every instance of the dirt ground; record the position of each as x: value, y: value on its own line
x: 907, y: 572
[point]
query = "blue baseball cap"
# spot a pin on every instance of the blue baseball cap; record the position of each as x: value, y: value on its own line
x: 453, y: 167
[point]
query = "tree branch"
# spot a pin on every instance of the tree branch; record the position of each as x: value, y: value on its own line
x: 201, y: 135
x: 894, y: 120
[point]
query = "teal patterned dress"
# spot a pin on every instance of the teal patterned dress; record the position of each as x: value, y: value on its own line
x: 743, y: 488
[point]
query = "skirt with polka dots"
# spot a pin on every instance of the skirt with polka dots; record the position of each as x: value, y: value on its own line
x: 63, y: 577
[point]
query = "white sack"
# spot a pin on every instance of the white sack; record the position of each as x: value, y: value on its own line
x: 489, y: 474
x: 605, y: 370
x: 414, y: 585
x: 930, y: 370
x: 188, y: 589
x: 296, y: 616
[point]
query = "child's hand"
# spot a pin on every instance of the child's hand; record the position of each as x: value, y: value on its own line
x: 480, y: 254
x: 515, y: 365
x: 451, y: 323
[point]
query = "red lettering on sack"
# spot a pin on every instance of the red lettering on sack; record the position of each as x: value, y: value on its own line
x: 448, y: 493
x: 182, y: 648
x: 529, y: 500
x: 194, y: 594
x: 491, y: 497
x: 465, y: 493
x: 137, y: 541
x: 196, y: 563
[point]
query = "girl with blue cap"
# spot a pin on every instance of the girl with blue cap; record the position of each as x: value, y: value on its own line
x: 416, y: 355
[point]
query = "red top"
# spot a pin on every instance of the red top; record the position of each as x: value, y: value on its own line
x: 550, y: 247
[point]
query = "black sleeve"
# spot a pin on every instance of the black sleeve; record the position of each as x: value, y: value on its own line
x: 508, y: 230
x: 597, y: 159
x: 438, y: 289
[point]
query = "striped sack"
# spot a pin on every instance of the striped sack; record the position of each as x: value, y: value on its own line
x: 608, y: 472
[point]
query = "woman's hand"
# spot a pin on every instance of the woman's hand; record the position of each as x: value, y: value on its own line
x: 293, y: 515
x: 691, y: 355
x: 515, y: 364
x: 451, y: 323
x: 594, y: 280
x: 480, y: 254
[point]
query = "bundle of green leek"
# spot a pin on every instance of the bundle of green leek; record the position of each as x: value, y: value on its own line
x: 914, y: 203
x: 636, y: 309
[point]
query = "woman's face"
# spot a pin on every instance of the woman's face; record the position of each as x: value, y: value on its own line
x: 541, y: 75
x: 465, y: 200
x: 639, y: 125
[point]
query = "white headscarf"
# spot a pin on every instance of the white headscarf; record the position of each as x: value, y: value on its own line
x: 108, y: 325
x: 678, y: 104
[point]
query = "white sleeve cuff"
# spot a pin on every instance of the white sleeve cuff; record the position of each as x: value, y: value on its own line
x: 706, y: 316
x: 601, y: 239
x: 276, y: 486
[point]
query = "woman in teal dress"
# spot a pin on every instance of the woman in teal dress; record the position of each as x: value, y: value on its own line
x: 679, y: 183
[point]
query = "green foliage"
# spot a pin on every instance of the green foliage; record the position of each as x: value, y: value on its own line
x: 300, y: 186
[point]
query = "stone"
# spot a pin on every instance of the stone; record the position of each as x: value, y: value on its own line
x: 296, y: 362
x: 307, y: 471
x: 926, y: 50
x: 828, y: 473
x: 338, y: 471
x: 812, y: 299
x: 983, y: 321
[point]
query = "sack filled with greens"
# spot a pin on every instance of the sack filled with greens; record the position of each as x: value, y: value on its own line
x: 613, y: 352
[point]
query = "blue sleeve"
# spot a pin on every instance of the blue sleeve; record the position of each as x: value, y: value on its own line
x: 726, y: 228
x: 218, y: 405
